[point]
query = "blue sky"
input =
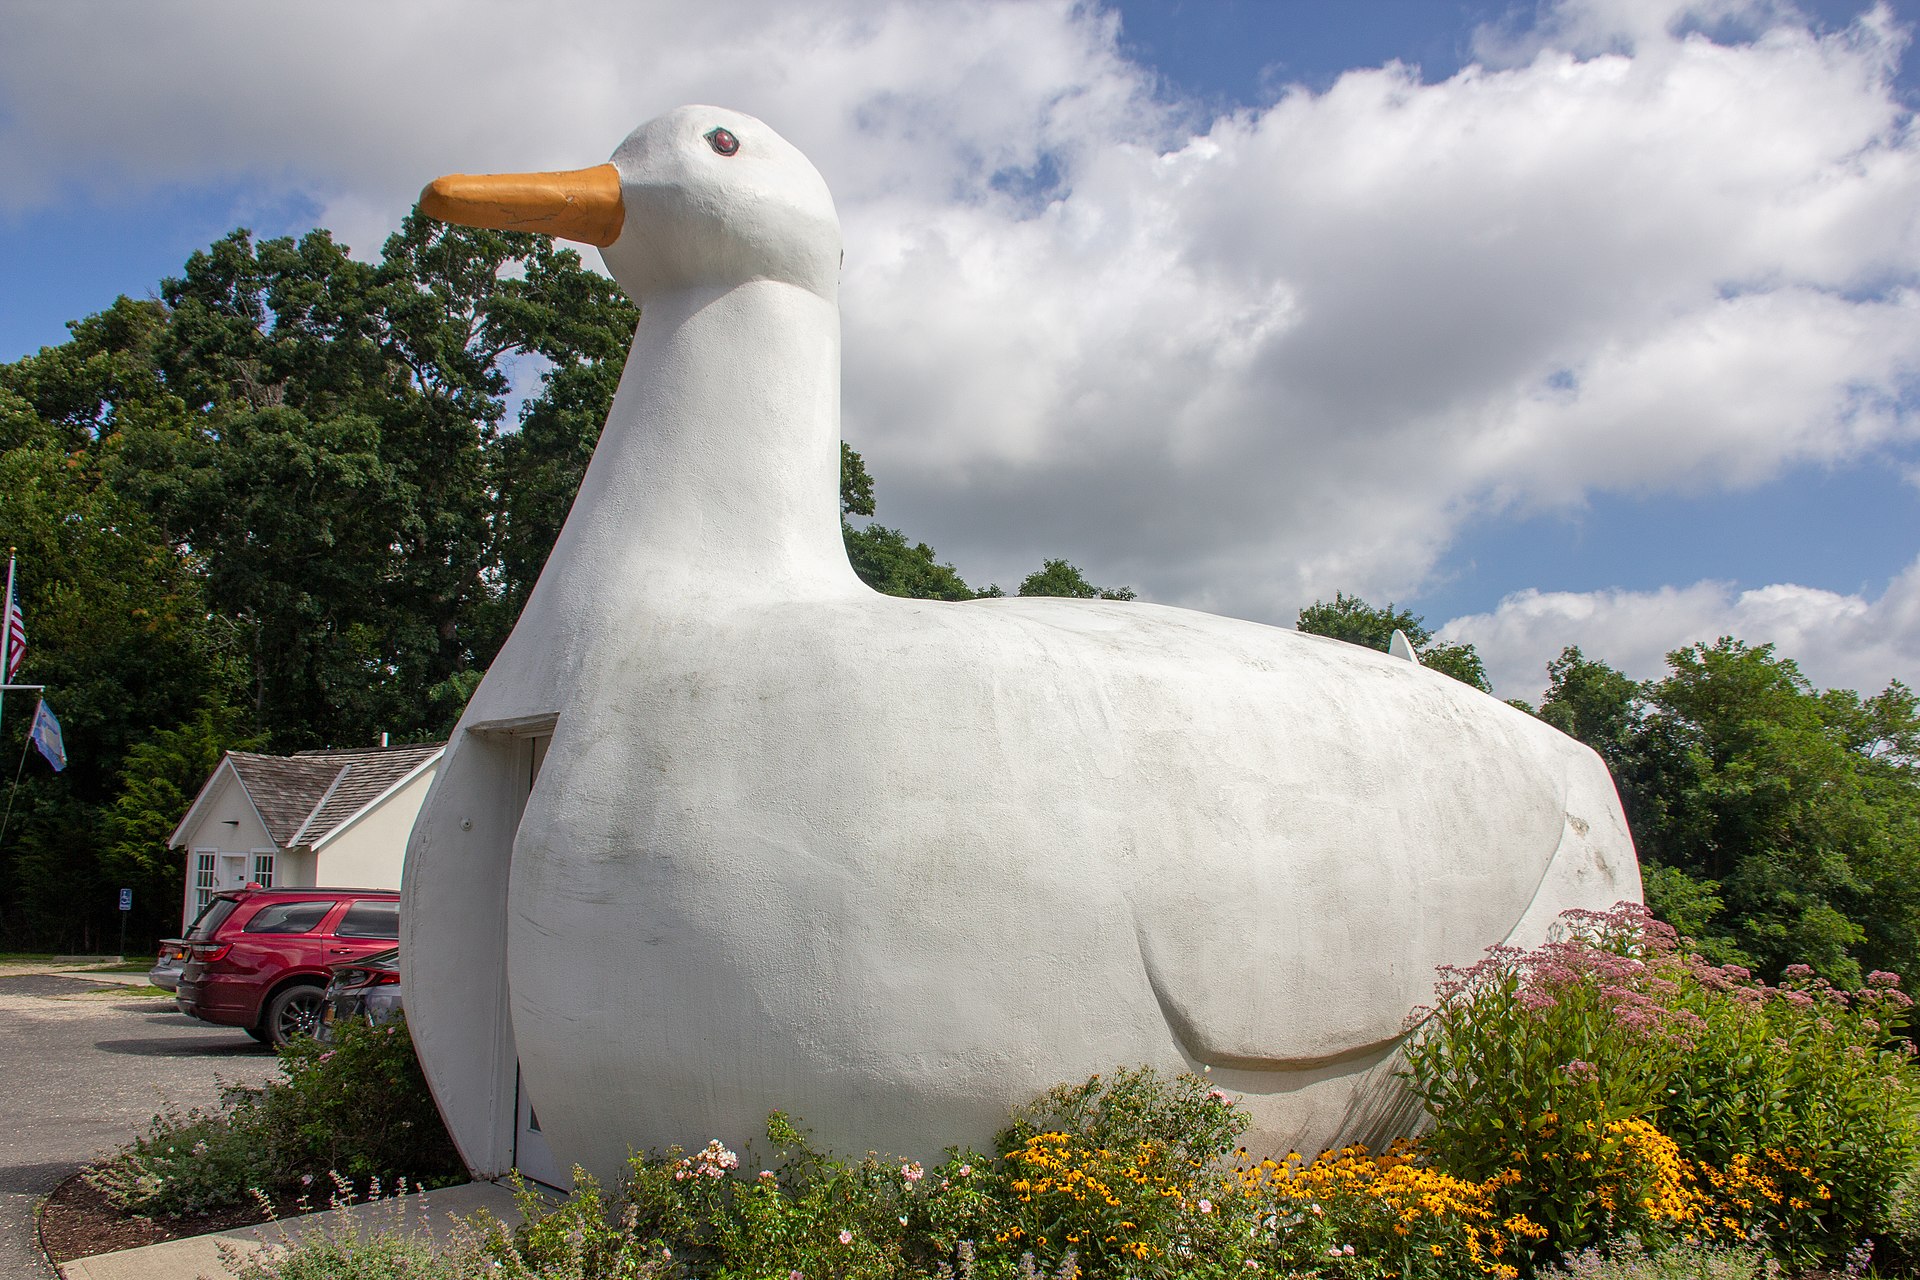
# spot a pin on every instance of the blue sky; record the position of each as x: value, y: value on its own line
x: 1595, y: 328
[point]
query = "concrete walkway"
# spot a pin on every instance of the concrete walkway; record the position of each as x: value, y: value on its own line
x: 86, y: 1070
x: 199, y: 1258
x: 87, y: 1062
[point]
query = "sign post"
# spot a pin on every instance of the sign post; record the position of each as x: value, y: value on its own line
x: 126, y: 905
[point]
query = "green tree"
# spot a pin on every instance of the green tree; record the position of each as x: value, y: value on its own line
x: 1815, y: 842
x: 277, y: 503
x: 159, y: 779
x: 887, y: 562
x: 856, y: 486
x: 304, y: 472
x: 1776, y: 824
x: 1352, y: 619
x: 341, y: 468
x: 579, y: 326
x: 883, y: 558
x: 118, y: 625
x: 1591, y: 701
x: 1058, y: 578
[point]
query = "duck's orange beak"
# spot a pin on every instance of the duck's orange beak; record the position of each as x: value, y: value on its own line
x: 578, y: 204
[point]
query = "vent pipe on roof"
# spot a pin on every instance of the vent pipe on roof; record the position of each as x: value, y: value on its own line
x: 383, y: 739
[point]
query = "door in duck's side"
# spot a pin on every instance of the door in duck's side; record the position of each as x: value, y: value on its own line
x: 531, y: 1154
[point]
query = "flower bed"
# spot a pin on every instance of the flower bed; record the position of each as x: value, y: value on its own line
x: 1606, y: 1106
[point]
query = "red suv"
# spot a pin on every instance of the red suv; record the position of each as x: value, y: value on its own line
x: 258, y: 958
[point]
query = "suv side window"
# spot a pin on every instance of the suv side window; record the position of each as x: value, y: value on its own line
x: 288, y: 917
x: 371, y: 918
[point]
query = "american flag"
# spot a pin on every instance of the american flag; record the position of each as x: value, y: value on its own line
x: 16, y: 635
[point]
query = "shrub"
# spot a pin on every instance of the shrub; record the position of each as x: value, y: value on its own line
x: 1530, y: 1062
x: 357, y: 1107
x: 1134, y: 1176
x: 1350, y: 1212
x: 1798, y: 1113
x: 384, y: 1255
x: 1629, y: 1260
x: 1126, y: 1172
x: 811, y: 1213
x: 1187, y: 1119
x: 189, y: 1162
x: 356, y: 1111
x: 1635, y: 1089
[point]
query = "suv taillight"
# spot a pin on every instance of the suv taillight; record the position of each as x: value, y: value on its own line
x: 367, y: 977
x: 209, y: 952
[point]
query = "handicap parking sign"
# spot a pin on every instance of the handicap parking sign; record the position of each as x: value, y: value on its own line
x: 126, y: 899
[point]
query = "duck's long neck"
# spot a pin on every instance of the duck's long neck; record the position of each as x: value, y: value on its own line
x: 718, y: 471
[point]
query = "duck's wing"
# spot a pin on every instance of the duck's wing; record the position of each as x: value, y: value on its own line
x: 1312, y: 828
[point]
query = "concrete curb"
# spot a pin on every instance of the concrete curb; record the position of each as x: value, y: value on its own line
x: 198, y: 1257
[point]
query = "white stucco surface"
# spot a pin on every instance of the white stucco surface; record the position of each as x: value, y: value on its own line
x: 227, y: 819
x: 897, y: 866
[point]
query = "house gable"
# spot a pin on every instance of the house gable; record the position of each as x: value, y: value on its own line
x: 370, y: 847
x: 368, y: 782
x: 223, y: 817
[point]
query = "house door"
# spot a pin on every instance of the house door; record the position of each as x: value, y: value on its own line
x: 233, y: 871
x: 531, y: 1154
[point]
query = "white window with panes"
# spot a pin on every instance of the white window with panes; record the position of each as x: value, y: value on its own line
x: 263, y: 870
x: 205, y: 877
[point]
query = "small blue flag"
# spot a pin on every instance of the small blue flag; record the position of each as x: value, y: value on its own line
x: 46, y: 736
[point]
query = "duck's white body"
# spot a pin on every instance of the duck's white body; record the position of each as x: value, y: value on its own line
x: 897, y: 866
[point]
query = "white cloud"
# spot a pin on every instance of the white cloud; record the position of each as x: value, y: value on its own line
x: 1292, y: 353
x: 1237, y: 361
x: 1840, y: 641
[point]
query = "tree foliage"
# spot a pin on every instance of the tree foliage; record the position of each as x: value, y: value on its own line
x: 278, y: 505
x: 1352, y: 619
x: 1777, y: 824
x: 883, y: 557
x: 887, y: 562
x: 1058, y: 578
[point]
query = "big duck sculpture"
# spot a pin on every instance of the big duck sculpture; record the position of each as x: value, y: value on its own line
x: 896, y: 866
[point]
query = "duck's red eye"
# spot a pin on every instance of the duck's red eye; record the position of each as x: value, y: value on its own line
x: 723, y: 141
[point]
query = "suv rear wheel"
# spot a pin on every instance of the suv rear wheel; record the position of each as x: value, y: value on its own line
x: 292, y: 1012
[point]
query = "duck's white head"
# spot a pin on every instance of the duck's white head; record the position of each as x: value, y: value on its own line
x: 701, y: 196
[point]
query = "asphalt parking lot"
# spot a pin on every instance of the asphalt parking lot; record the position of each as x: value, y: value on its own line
x: 83, y: 1067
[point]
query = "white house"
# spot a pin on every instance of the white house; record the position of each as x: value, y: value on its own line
x: 318, y: 817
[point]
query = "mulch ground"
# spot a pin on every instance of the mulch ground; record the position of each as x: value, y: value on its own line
x: 77, y: 1222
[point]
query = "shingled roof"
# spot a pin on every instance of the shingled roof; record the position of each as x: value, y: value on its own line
x: 305, y: 798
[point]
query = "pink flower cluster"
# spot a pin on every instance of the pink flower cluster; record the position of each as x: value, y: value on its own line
x: 1618, y: 955
x: 711, y: 1161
